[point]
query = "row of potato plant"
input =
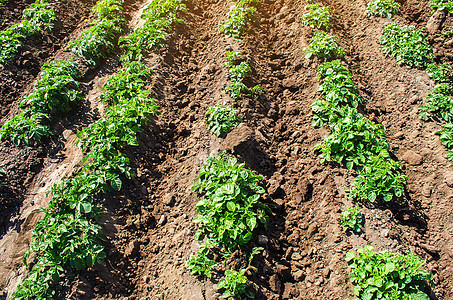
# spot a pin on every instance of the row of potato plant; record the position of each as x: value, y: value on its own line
x: 55, y: 91
x: 409, y: 46
x: 37, y: 16
x: 361, y: 144
x: 228, y: 214
x: 231, y: 209
x: 68, y: 235
x: 355, y: 141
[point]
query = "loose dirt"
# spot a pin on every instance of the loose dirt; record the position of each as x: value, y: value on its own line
x: 148, y: 225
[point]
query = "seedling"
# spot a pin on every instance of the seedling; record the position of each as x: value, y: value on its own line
x: 317, y: 16
x: 324, y: 46
x: 55, y: 91
x: 221, y: 119
x: 440, y: 73
x: 351, y: 219
x: 239, y: 18
x: 440, y: 104
x: 160, y: 16
x: 445, y: 5
x: 407, y: 44
x: 383, y: 8
x: 238, y: 72
x: 387, y: 276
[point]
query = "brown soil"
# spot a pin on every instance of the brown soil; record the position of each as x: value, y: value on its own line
x: 148, y: 225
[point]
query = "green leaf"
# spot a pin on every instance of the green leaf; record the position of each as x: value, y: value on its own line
x: 116, y: 183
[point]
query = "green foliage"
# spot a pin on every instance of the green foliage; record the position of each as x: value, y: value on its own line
x: 324, y: 46
x: 239, y: 18
x: 383, y: 8
x: 448, y: 31
x: 98, y: 41
x: 238, y: 73
x: 354, y: 141
x: 159, y: 18
x: 230, y: 210
x: 25, y: 127
x: 387, y: 276
x: 446, y: 137
x: 67, y: 236
x: 407, y: 44
x: 235, y: 284
x: 317, y: 16
x: 440, y: 104
x: 446, y: 5
x: 351, y: 219
x: 381, y: 177
x: 228, y: 215
x: 54, y: 91
x: 38, y: 16
x: 338, y: 89
x: 126, y: 84
x: 221, y: 119
x: 202, y: 263
x: 440, y: 73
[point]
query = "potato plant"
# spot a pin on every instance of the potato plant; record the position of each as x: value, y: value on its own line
x: 445, y: 5
x: 387, y: 276
x: 99, y: 41
x: 317, y: 16
x: 407, y: 44
x: 324, y: 46
x: 55, y: 91
x: 221, y: 119
x: 446, y: 138
x: 228, y: 215
x: 383, y: 8
x: 439, y: 105
x: 238, y: 73
x: 239, y: 18
x: 351, y: 219
x: 159, y: 16
x: 442, y: 73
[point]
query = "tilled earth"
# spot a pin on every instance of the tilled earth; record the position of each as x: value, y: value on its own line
x: 149, y: 228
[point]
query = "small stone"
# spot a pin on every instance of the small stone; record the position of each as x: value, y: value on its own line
x: 449, y: 178
x: 169, y: 199
x: 162, y: 220
x: 263, y: 240
x: 412, y: 158
x: 299, y: 275
x: 426, y: 190
x: 131, y: 248
x: 385, y: 233
x: 435, y: 21
x: 275, y: 284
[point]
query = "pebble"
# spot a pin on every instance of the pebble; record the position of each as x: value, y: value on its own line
x: 263, y: 240
x: 412, y: 158
x: 162, y: 220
